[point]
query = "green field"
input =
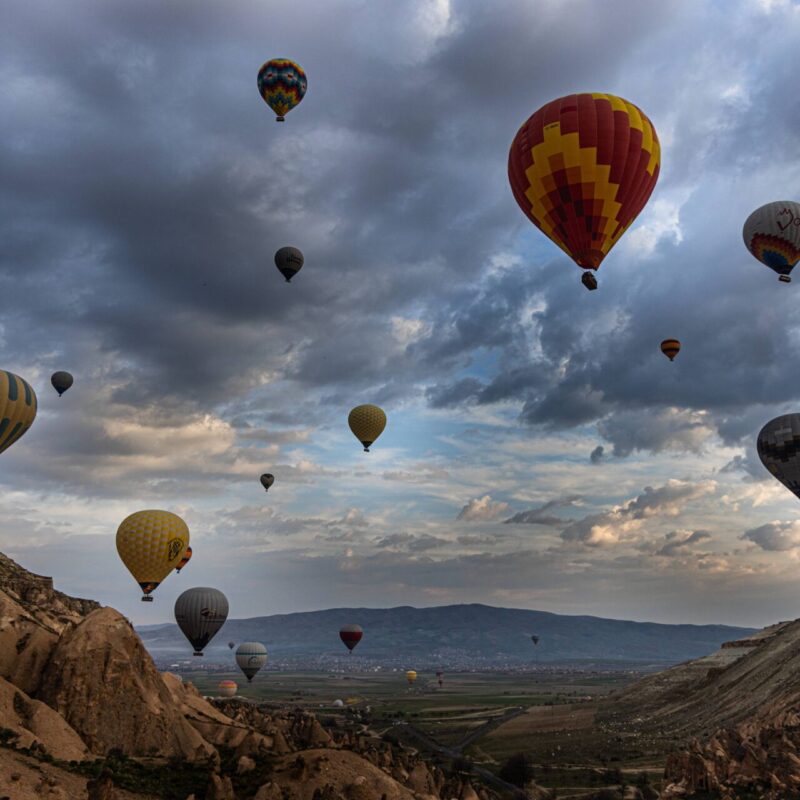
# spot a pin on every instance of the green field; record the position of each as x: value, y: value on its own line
x: 486, y: 717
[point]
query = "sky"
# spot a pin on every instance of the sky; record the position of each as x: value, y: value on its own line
x: 540, y: 451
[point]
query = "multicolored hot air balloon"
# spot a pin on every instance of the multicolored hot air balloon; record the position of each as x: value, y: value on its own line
x: 200, y: 612
x: 779, y: 450
x: 367, y: 423
x: 187, y: 557
x: 267, y: 480
x: 289, y: 261
x: 282, y: 84
x: 61, y: 381
x: 151, y: 544
x: 772, y: 234
x: 251, y: 656
x: 670, y: 348
x: 17, y: 408
x: 581, y: 169
x: 411, y: 676
x: 351, y: 635
x: 227, y: 688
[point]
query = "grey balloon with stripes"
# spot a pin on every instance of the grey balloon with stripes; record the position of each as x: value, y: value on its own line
x: 251, y: 656
x: 200, y: 613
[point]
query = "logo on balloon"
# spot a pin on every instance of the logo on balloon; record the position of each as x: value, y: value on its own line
x: 174, y: 549
x: 211, y: 613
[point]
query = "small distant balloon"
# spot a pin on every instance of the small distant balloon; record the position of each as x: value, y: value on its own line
x: 251, y: 656
x: 282, y: 85
x: 289, y: 261
x: 200, y: 612
x: 17, y: 408
x: 227, y: 688
x: 151, y: 544
x: 367, y: 423
x: 231, y: 645
x: 351, y: 635
x: 440, y: 677
x: 772, y: 235
x: 267, y: 480
x: 187, y: 557
x: 61, y: 381
x: 670, y: 348
x: 535, y: 639
x: 411, y: 676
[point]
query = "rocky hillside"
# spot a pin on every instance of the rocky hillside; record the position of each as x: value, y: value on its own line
x: 85, y: 715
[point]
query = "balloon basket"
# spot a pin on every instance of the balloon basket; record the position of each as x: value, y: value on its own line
x: 147, y: 599
x: 200, y: 655
x: 784, y: 279
x: 589, y: 281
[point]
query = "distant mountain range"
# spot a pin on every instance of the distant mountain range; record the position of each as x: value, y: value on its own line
x: 467, y: 636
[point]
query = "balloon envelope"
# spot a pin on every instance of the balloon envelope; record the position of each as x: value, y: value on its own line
x: 251, y: 656
x: 535, y: 639
x: 670, y: 348
x: 351, y: 635
x: 411, y: 676
x: 772, y: 234
x: 151, y: 544
x: 367, y: 423
x: 200, y: 612
x: 267, y: 480
x: 282, y: 85
x: 227, y: 688
x: 61, y: 381
x: 289, y: 261
x: 231, y: 645
x: 17, y: 408
x: 187, y: 557
x: 779, y: 450
x: 581, y: 168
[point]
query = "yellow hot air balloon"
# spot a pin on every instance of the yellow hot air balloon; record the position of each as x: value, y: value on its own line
x: 411, y: 676
x: 151, y: 544
x: 367, y: 423
x: 17, y: 408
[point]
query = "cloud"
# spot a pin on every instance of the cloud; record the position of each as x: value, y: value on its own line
x: 680, y: 542
x: 775, y: 536
x: 481, y: 509
x: 540, y: 516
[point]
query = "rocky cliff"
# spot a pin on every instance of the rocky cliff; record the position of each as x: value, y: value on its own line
x: 85, y: 715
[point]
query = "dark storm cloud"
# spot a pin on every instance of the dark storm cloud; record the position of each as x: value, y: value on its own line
x: 775, y: 536
x: 678, y: 543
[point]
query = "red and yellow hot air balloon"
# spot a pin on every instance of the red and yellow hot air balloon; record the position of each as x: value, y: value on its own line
x: 187, y: 557
x: 582, y: 168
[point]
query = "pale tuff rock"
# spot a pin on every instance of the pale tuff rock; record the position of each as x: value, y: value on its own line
x: 37, y: 726
x: 104, y: 683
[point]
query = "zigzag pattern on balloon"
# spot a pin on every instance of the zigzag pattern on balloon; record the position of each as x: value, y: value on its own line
x: 282, y: 84
x: 775, y: 252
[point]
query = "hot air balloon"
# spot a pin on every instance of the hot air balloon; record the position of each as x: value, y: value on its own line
x: 670, y: 348
x: 772, y: 234
x: 61, y: 381
x: 582, y: 168
x: 231, y: 645
x: 367, y: 423
x: 267, y: 480
x: 350, y: 635
x: 779, y: 450
x: 535, y: 639
x: 151, y: 544
x: 187, y: 557
x: 289, y: 261
x: 251, y: 656
x: 440, y: 677
x: 17, y: 408
x: 282, y: 84
x: 411, y: 676
x: 227, y: 688
x: 200, y: 613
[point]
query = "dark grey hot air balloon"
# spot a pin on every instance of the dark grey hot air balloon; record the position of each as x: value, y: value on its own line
x: 251, y: 656
x: 535, y: 639
x: 200, y: 612
x: 231, y: 645
x: 289, y: 261
x: 267, y: 480
x: 779, y: 450
x: 61, y: 381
